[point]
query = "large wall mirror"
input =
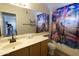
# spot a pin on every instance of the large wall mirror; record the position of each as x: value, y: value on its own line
x: 17, y: 20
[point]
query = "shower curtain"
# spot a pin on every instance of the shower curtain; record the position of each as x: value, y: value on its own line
x: 65, y: 25
x: 42, y: 22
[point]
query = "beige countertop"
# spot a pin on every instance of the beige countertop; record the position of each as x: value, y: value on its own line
x: 68, y: 50
x: 21, y: 42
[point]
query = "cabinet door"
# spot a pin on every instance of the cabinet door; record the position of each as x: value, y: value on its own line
x: 44, y: 48
x: 21, y: 52
x: 35, y: 50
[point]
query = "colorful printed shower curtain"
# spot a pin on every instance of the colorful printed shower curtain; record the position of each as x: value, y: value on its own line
x: 65, y: 25
x: 42, y: 22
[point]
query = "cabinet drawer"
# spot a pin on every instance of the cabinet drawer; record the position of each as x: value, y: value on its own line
x: 21, y: 52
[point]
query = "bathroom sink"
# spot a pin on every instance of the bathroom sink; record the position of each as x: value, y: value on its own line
x: 11, y: 45
x: 46, y: 35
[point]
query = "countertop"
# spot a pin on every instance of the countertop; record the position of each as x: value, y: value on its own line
x: 21, y: 42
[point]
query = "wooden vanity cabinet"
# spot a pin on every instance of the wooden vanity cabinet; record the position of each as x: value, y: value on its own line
x: 21, y: 52
x: 38, y: 49
x: 44, y: 48
x: 35, y: 50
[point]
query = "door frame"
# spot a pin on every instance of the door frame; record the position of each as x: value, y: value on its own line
x: 3, y: 30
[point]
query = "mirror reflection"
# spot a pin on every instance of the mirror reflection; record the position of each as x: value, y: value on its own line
x: 16, y: 20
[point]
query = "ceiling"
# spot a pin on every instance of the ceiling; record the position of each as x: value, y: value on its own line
x: 54, y: 6
x: 51, y: 6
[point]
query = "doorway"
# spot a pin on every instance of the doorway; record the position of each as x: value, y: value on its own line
x: 9, y: 20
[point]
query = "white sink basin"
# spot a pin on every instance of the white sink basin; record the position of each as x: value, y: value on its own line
x: 11, y: 45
